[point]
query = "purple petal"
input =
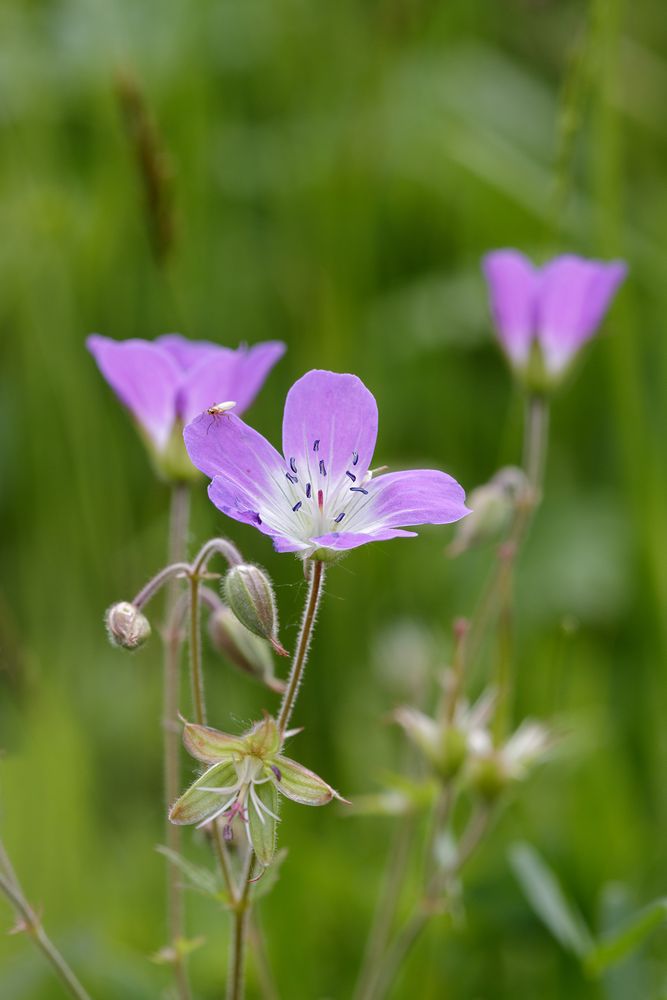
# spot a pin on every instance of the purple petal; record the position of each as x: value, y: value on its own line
x: 513, y: 286
x: 186, y: 353
x: 230, y: 498
x: 222, y: 375
x: 223, y: 445
x: 353, y: 539
x: 211, y: 380
x: 574, y: 296
x: 330, y: 418
x: 255, y: 365
x: 420, y: 496
x: 145, y: 379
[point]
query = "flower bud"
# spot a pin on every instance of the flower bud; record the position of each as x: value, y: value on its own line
x: 492, y: 505
x: 249, y: 593
x: 126, y: 625
x: 243, y: 649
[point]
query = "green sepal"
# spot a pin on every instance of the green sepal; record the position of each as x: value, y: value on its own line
x: 196, y: 805
x: 263, y: 740
x: 209, y: 745
x: 261, y: 826
x: 299, y: 784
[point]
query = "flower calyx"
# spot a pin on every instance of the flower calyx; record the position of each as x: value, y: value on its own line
x: 244, y: 778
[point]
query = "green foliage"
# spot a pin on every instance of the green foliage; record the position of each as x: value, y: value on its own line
x: 336, y: 171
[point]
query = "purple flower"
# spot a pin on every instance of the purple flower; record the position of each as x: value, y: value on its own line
x: 557, y: 307
x: 321, y: 495
x: 166, y: 382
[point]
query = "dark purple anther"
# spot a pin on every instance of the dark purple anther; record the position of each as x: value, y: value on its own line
x: 297, y: 506
x: 308, y: 491
x: 352, y: 476
x: 323, y: 470
x: 338, y: 519
x: 292, y: 465
x: 278, y: 773
x: 316, y: 445
x: 358, y: 489
x: 227, y: 832
x: 355, y: 457
x: 292, y: 479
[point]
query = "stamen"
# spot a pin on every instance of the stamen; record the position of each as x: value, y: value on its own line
x: 308, y: 491
x: 338, y: 519
x: 292, y: 479
x: 352, y: 476
x: 276, y: 770
x: 323, y: 469
x: 320, y: 499
x: 297, y: 506
x: 227, y: 832
x: 316, y: 445
x: 358, y: 489
x: 292, y: 465
x: 355, y: 457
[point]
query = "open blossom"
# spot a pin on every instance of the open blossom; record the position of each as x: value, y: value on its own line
x: 242, y: 780
x: 556, y: 308
x: 321, y: 496
x: 166, y: 382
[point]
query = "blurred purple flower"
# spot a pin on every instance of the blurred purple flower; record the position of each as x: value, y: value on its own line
x: 321, y: 495
x: 171, y: 379
x: 558, y: 307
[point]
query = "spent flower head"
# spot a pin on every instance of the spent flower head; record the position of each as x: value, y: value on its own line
x: 164, y: 383
x: 244, y: 778
x: 545, y: 315
x: 494, y: 768
x: 321, y: 497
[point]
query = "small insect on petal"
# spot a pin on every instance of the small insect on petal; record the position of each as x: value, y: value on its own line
x: 221, y: 407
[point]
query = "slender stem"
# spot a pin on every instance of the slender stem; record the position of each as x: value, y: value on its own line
x: 301, y: 655
x: 178, y: 538
x: 236, y: 980
x: 428, y: 906
x: 216, y: 546
x: 12, y: 890
x: 158, y: 581
x: 262, y: 964
x: 387, y: 904
x: 199, y: 708
x: 535, y: 445
x: 196, y: 675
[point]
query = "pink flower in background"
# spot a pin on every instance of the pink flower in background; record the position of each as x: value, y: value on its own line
x: 558, y: 307
x: 321, y: 494
x: 166, y: 382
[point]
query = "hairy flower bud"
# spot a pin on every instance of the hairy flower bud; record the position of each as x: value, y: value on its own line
x: 126, y: 625
x: 249, y: 593
x: 243, y: 649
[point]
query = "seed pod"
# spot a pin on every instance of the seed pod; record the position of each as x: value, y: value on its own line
x: 126, y: 625
x: 243, y: 649
x: 249, y: 593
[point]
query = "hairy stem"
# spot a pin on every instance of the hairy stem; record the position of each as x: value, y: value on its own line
x: 11, y: 888
x: 178, y: 540
x: 236, y: 979
x: 315, y: 580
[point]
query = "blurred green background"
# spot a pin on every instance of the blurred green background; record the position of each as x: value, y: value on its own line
x: 337, y: 171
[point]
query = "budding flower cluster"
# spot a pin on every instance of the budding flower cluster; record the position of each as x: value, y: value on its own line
x: 126, y: 625
x: 249, y: 593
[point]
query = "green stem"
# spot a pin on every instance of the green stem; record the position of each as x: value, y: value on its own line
x: 236, y: 980
x: 196, y: 675
x: 14, y: 893
x: 199, y: 709
x: 301, y: 655
x: 178, y: 539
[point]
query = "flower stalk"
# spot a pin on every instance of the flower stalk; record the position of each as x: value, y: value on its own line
x: 172, y: 637
x: 315, y: 580
x: 31, y: 925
